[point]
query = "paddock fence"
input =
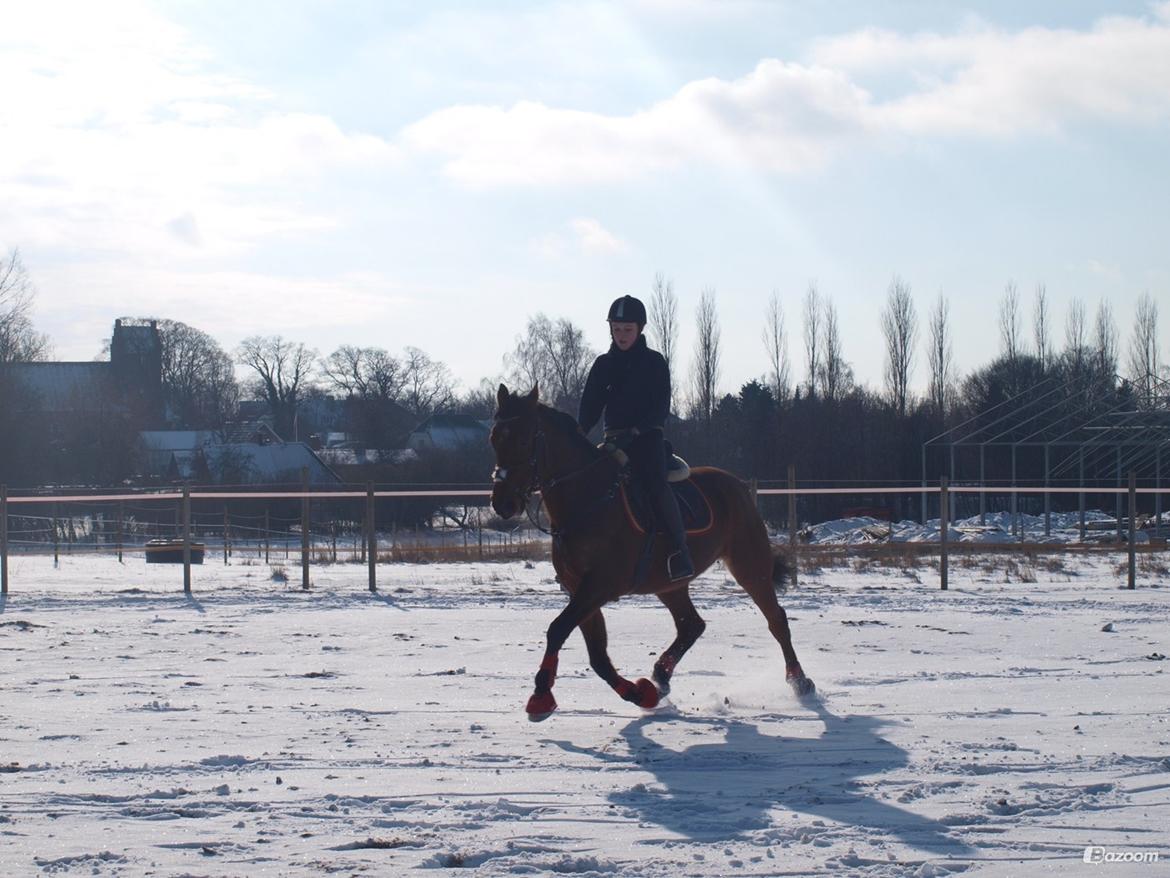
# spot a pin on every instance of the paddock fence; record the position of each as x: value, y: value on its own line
x: 306, y: 526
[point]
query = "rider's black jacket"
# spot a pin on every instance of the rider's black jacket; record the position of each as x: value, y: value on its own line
x: 632, y: 388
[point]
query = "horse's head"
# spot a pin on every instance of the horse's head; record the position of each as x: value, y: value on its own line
x: 513, y: 439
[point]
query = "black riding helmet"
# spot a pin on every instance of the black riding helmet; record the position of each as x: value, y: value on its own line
x: 627, y: 309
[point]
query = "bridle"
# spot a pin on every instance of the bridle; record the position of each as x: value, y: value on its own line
x: 535, y: 482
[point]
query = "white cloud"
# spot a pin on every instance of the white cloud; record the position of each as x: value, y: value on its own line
x: 583, y: 235
x: 781, y: 116
x: 592, y: 237
x: 115, y: 124
x: 790, y: 117
x: 987, y: 81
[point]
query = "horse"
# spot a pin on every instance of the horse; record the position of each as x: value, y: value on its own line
x: 595, y: 549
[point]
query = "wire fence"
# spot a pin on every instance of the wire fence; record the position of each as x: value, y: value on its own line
x: 198, y: 526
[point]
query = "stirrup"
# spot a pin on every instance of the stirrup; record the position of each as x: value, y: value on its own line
x: 679, y: 566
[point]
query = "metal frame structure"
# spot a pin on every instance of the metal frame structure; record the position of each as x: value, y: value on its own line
x: 1103, y: 428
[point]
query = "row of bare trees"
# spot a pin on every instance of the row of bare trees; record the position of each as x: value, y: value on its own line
x: 199, y: 377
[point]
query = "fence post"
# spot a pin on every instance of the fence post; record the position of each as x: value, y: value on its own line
x: 185, y: 517
x: 792, y: 522
x: 1047, y: 498
x: 944, y: 526
x: 1120, y: 534
x: 3, y: 540
x: 1132, y: 529
x: 305, y: 528
x: 56, y: 540
x: 225, y: 533
x: 267, y: 533
x: 983, y: 485
x: 1158, y: 493
x: 1081, y: 493
x: 371, y: 538
x: 121, y: 520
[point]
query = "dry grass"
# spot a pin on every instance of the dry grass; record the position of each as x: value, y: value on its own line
x: 1153, y: 564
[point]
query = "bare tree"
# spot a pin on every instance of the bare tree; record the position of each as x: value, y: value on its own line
x: 428, y: 386
x: 900, y: 328
x: 555, y: 355
x: 941, y: 357
x: 527, y: 363
x: 706, y: 371
x: 480, y: 401
x: 283, y: 369
x: 570, y: 358
x: 1040, y: 328
x: 1009, y: 324
x: 812, y: 336
x: 1104, y: 353
x: 836, y: 374
x: 198, y: 377
x: 1076, y: 341
x: 663, y: 317
x: 776, y: 344
x: 19, y: 341
x: 1143, y: 348
x: 365, y: 373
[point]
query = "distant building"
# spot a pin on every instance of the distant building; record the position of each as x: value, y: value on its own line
x: 129, y: 383
x: 240, y: 454
x: 75, y: 422
x: 448, y: 433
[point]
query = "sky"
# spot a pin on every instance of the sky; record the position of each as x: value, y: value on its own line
x: 389, y: 173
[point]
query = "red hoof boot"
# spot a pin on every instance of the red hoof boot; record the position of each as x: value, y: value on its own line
x: 643, y: 693
x: 540, y: 706
x: 647, y: 694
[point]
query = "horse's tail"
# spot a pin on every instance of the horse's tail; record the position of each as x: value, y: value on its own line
x: 780, y: 569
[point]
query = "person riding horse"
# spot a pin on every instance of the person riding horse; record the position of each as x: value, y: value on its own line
x: 630, y: 383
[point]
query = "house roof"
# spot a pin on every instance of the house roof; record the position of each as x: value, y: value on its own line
x: 268, y: 464
x: 448, y: 431
x: 66, y: 387
x: 175, y: 440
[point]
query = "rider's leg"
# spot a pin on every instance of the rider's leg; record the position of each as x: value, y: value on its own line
x: 648, y: 457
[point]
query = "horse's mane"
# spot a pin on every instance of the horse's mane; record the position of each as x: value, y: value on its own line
x: 567, y: 424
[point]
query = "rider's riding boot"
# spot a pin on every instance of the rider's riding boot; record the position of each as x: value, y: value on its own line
x: 678, y: 563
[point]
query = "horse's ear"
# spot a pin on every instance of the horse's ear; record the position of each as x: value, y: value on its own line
x: 501, y: 395
x: 534, y: 394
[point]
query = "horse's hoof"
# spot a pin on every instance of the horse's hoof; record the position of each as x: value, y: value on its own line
x: 540, y: 706
x: 803, y: 686
x: 662, y: 680
x: 648, y: 694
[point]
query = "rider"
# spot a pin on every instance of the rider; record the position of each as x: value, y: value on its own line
x: 631, y: 383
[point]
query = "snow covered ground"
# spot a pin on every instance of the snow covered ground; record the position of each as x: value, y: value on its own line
x: 254, y: 729
x: 993, y: 528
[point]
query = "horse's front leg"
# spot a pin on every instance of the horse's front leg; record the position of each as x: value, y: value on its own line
x: 541, y: 703
x: 643, y: 693
x: 689, y: 626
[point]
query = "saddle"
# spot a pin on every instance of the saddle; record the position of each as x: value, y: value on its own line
x: 696, y: 511
x: 692, y: 503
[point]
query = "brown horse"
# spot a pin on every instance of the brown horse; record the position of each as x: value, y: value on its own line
x: 596, y: 550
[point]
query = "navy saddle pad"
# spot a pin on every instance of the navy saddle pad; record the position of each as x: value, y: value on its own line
x: 696, y: 511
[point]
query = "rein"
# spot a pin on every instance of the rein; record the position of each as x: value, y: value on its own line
x: 537, y: 483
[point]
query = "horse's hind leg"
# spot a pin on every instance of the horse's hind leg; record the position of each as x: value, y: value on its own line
x: 690, y: 628
x: 751, y: 563
x: 643, y: 693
